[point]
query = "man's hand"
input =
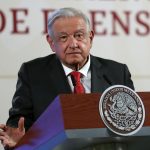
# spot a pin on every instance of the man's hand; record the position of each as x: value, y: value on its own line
x: 10, y: 136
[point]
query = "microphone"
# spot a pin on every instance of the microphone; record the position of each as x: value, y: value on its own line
x: 77, y: 67
x: 72, y: 78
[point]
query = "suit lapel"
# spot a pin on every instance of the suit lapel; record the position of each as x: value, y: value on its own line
x: 99, y: 76
x: 58, y: 77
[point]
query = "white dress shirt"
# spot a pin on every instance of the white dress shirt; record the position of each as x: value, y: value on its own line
x: 86, y: 78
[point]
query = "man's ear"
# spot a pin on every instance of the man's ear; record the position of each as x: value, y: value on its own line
x: 50, y: 42
x: 91, y: 36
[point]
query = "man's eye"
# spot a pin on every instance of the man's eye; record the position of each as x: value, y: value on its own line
x: 79, y: 36
x: 63, y: 38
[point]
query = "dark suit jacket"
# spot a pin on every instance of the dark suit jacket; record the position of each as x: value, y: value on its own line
x: 42, y: 79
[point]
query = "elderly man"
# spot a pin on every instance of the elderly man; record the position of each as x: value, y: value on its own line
x: 39, y: 81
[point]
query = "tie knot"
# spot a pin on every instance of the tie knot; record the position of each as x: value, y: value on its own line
x: 76, y: 75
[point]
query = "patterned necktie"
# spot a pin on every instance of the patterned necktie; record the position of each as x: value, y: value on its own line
x: 78, y: 87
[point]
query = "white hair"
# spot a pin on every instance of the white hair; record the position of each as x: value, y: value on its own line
x: 66, y: 12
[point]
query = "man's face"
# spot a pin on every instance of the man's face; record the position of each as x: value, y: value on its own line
x: 71, y: 41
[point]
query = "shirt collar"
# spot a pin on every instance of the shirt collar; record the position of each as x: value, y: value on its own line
x: 84, y: 70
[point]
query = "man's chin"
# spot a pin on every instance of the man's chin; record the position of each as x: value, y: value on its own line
x: 75, y: 60
x: 75, y: 63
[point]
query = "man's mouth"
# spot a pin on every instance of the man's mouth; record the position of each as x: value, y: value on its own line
x: 73, y: 53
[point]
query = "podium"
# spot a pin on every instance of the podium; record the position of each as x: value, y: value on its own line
x: 73, y: 122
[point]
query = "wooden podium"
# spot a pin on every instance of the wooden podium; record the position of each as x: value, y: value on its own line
x: 73, y: 122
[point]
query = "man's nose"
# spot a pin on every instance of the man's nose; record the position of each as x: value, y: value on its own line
x: 73, y: 42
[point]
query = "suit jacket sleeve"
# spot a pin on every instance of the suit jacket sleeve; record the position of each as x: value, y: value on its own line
x: 22, y: 101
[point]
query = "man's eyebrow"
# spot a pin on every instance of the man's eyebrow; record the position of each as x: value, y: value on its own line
x: 61, y: 33
x: 80, y: 30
